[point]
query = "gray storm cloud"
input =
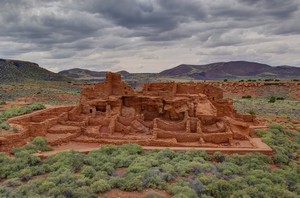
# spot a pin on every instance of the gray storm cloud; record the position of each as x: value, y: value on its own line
x: 149, y: 35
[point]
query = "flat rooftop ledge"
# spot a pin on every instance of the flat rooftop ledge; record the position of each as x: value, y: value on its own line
x: 87, y: 147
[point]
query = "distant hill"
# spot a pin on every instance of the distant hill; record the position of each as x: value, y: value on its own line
x: 213, y: 71
x: 18, y: 71
x: 88, y: 75
x: 234, y: 69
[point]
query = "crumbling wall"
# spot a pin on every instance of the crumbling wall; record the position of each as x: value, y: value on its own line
x: 178, y: 126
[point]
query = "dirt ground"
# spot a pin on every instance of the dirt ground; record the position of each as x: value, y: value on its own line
x: 115, y: 193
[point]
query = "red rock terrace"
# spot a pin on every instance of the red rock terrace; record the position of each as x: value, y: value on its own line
x: 161, y: 115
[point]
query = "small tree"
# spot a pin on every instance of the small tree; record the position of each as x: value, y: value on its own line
x: 272, y: 99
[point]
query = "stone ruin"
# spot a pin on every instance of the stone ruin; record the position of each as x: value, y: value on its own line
x: 162, y: 114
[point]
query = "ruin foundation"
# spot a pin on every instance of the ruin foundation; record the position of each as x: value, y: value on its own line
x: 162, y: 114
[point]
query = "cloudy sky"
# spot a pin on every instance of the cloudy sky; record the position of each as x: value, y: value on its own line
x: 149, y: 35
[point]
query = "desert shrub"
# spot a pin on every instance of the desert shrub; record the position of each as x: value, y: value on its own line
x: 220, y: 188
x: 100, y: 175
x: 154, y: 180
x: 15, y: 111
x: 196, y: 185
x: 2, y: 102
x: 108, y: 168
x: 198, y: 154
x: 4, y: 125
x: 183, y: 168
x: 14, y: 182
x: 15, y: 129
x: 272, y: 99
x: 123, y: 160
x: 153, y: 194
x: 40, y: 144
x: 281, y: 158
x: 25, y: 174
x: 132, y: 148
x: 129, y: 182
x: 5, y: 192
x: 136, y: 168
x: 100, y: 186
x: 167, y: 177
x: 261, y: 133
x: 117, y: 182
x: 229, y: 169
x: 246, y: 97
x: 251, y: 112
x: 134, y: 182
x: 88, y: 171
x: 269, y: 79
x: 62, y: 191
x: 280, y: 98
x: 218, y: 156
x: 225, y: 80
x: 107, y: 149
x: 37, y: 144
x: 165, y: 155
x: 45, y: 187
x: 84, y: 191
x: 182, y: 189
x: 169, y: 172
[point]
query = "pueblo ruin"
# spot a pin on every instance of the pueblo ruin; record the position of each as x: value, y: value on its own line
x: 162, y: 114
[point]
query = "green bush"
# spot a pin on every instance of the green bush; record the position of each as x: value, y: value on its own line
x: 221, y: 188
x: 251, y: 112
x: 2, y: 102
x: 45, y: 187
x: 181, y: 189
x: 246, y: 97
x: 14, y: 182
x: 4, y: 125
x: 5, y: 192
x: 16, y: 111
x: 100, y: 186
x: 134, y: 182
x: 37, y: 144
x: 40, y: 144
x: 88, y: 171
x: 15, y: 129
x: 218, y: 156
x: 72, y: 174
x: 272, y: 99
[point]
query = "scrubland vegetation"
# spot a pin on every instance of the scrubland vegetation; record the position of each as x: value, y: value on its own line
x: 129, y: 168
x: 44, y: 92
x: 274, y: 105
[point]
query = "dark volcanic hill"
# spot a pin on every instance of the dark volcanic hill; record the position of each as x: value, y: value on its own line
x: 234, y: 69
x: 85, y: 74
x: 18, y: 71
x: 221, y: 70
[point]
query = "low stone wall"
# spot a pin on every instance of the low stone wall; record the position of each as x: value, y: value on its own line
x: 218, y: 138
x: 178, y: 126
x: 180, y: 137
x: 11, y: 140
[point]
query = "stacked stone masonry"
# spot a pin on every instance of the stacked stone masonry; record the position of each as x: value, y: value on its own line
x: 162, y: 114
